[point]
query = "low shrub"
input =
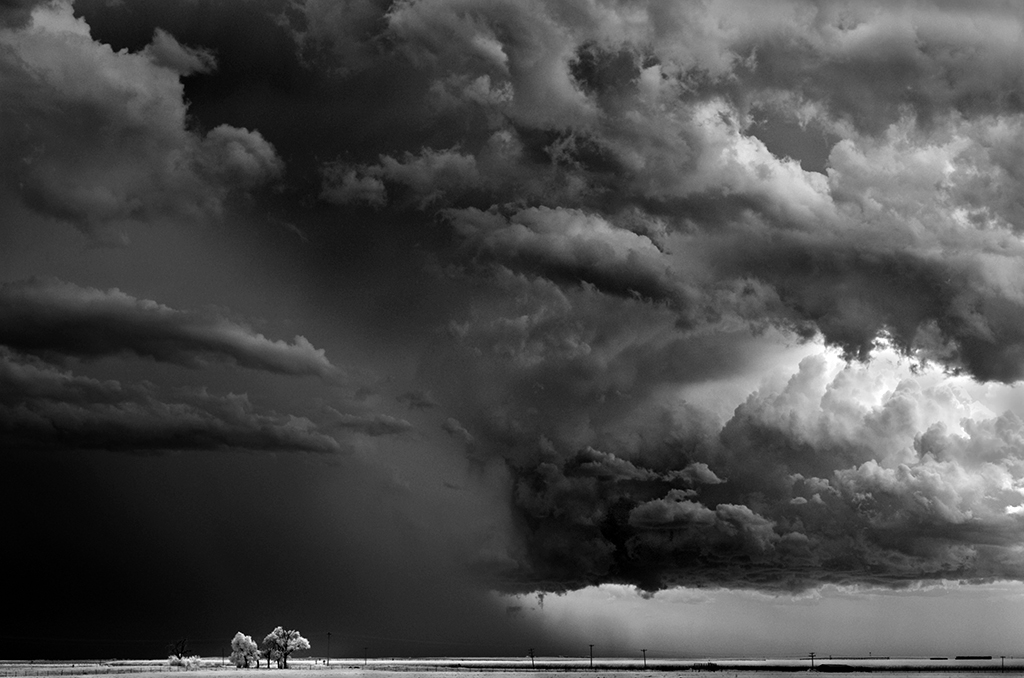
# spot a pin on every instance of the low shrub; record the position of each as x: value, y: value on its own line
x: 190, y: 663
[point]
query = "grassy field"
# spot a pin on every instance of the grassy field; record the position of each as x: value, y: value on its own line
x: 517, y: 666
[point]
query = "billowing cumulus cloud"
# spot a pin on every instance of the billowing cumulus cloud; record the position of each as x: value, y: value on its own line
x: 845, y: 474
x: 52, y: 318
x: 655, y: 189
x: 634, y: 236
x: 918, y: 192
x: 99, y: 138
x: 515, y: 42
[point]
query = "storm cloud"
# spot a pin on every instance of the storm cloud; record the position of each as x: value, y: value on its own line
x: 699, y: 295
x: 55, y: 318
x: 633, y: 148
x: 49, y: 408
x: 49, y: 323
x: 843, y: 475
x: 611, y: 184
x: 102, y: 135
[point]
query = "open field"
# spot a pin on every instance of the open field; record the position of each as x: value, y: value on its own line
x: 453, y: 667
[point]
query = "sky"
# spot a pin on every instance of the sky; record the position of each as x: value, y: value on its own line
x: 466, y: 327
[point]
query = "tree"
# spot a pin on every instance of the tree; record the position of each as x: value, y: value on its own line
x: 244, y: 650
x: 279, y: 644
x: 177, y: 655
x: 178, y: 648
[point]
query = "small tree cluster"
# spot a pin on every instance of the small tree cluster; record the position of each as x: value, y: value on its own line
x: 279, y: 645
x: 244, y: 651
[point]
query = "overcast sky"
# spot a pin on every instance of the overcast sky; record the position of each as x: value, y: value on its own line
x: 471, y: 326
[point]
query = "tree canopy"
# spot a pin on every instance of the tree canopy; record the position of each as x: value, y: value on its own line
x: 244, y: 650
x: 280, y: 643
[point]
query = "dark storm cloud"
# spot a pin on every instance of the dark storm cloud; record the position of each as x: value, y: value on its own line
x: 628, y: 127
x: 916, y: 222
x: 866, y: 64
x: 609, y: 241
x: 52, y: 318
x: 47, y: 323
x: 627, y: 236
x: 802, y: 486
x: 99, y: 138
x: 557, y: 353
x: 569, y: 245
x: 43, y: 407
x: 430, y: 176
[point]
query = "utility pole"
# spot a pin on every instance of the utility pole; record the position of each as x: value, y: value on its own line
x: 365, y: 655
x: 591, y: 655
x: 532, y: 665
x: 812, y: 659
x: 645, y: 658
x: 328, y: 648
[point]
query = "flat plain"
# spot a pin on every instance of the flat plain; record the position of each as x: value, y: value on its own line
x: 516, y: 667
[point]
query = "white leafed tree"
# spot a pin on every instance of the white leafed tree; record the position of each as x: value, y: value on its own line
x: 279, y: 644
x: 244, y: 651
